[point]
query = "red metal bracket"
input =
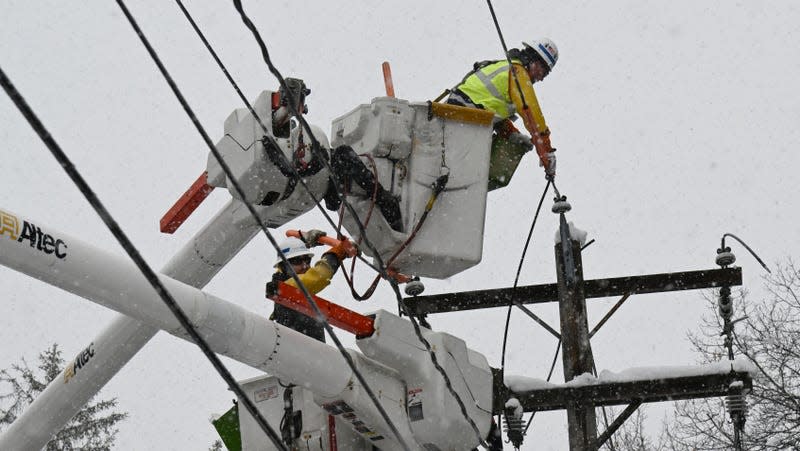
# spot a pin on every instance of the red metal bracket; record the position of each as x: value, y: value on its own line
x: 187, y: 203
x: 338, y: 316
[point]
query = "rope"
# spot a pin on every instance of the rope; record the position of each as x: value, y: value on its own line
x: 133, y: 253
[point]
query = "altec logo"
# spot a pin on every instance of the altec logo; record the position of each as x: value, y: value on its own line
x: 10, y: 226
x: 79, y: 362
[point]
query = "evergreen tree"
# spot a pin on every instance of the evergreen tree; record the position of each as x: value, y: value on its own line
x: 93, y: 428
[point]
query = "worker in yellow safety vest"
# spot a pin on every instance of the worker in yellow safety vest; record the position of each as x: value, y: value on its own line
x: 314, y: 278
x: 492, y: 86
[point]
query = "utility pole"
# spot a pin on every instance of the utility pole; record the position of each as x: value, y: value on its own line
x: 575, y: 345
x: 571, y: 291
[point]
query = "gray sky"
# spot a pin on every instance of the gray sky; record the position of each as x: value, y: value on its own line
x: 674, y: 122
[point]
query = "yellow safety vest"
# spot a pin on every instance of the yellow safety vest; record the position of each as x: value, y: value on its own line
x: 488, y: 87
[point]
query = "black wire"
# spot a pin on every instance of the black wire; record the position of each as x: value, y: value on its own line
x: 505, y: 52
x: 516, y: 278
x: 549, y: 375
x: 516, y: 281
x: 263, y: 126
x: 133, y: 253
x: 362, y: 231
x: 319, y: 316
x: 752, y: 252
x: 605, y: 415
x: 216, y: 58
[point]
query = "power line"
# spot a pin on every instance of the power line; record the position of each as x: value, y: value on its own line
x: 315, y: 148
x: 519, y: 270
x: 133, y: 253
x: 251, y: 209
x: 263, y: 126
x: 505, y: 52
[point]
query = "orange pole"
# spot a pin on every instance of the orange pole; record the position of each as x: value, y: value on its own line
x: 387, y: 79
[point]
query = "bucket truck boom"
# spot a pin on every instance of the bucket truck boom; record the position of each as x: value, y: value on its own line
x: 408, y: 386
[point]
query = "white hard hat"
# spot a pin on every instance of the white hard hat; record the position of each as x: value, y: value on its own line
x: 546, y: 49
x: 293, y: 247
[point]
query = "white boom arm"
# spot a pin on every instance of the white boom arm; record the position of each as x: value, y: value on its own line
x: 196, y: 264
x: 406, y: 384
x: 230, y: 330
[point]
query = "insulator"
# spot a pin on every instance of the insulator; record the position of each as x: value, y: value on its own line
x: 514, y: 426
x: 414, y: 287
x: 725, y: 303
x: 725, y: 257
x: 736, y: 405
x: 561, y: 205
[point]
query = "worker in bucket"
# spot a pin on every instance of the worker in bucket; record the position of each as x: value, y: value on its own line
x: 492, y: 86
x: 314, y: 278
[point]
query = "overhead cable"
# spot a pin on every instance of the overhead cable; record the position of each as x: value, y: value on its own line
x: 505, y: 52
x: 134, y: 254
x: 315, y: 148
x: 513, y: 301
x: 263, y: 126
x: 319, y: 315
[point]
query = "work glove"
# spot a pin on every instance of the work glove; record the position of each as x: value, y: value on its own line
x: 547, y: 158
x: 344, y: 249
x: 311, y: 237
x: 505, y: 128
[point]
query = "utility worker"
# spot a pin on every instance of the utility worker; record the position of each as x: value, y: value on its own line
x: 491, y: 86
x: 314, y: 278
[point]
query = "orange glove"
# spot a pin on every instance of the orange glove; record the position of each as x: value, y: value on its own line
x: 543, y: 147
x: 344, y: 249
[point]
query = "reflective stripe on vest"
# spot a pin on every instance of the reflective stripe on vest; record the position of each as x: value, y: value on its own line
x: 489, y: 87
